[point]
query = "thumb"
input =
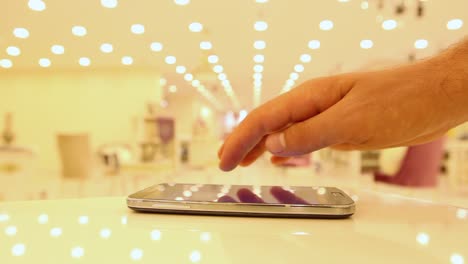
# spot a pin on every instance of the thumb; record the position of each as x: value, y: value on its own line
x: 318, y: 132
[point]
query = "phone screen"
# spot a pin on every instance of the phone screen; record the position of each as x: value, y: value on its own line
x: 247, y: 194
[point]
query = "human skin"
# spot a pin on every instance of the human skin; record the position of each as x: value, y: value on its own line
x: 402, y: 106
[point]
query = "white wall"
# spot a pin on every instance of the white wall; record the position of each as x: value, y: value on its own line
x: 100, y: 103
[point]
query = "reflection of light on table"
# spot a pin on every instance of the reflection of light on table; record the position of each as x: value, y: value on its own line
x: 423, y: 238
x: 136, y: 254
x: 195, y: 256
x: 155, y: 234
x: 77, y: 252
x: 10, y: 230
x: 56, y: 232
x: 456, y: 258
x: 43, y: 219
x: 18, y: 249
x: 105, y: 233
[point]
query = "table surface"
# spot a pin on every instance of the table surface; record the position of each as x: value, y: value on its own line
x: 385, y: 229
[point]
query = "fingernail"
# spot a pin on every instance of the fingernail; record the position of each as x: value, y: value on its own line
x: 275, y: 143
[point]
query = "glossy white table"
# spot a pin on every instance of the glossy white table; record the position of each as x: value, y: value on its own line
x: 385, y: 229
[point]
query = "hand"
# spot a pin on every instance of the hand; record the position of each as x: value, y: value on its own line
x: 403, y: 106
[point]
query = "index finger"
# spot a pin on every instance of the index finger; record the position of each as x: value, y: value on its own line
x: 303, y: 102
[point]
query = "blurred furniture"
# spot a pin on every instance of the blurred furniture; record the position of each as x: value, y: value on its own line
x: 420, y: 166
x: 112, y: 157
x: 17, y: 167
x: 457, y: 164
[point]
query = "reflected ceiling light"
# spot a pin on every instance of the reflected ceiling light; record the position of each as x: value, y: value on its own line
x: 155, y: 234
x: 172, y: 88
x: 107, y: 48
x: 182, y: 2
x: 326, y: 25
x: 57, y: 49
x: 294, y: 76
x: 18, y: 249
x: 389, y: 24
x: 456, y: 258
x: 187, y: 193
x: 6, y: 63
x: 156, y: 46
x: 261, y: 26
x: 206, y: 236
x: 321, y: 191
x: 56, y: 232
x: 178, y: 198
x: 195, y: 83
x: 124, y: 220
x: 195, y: 27
x: 366, y: 44
x: 170, y: 59
x: 10, y: 230
x: 162, y: 81
x: 259, y: 44
x: 462, y: 213
x: 314, y: 44
x: 258, y: 68
x: 222, y: 76
x: 109, y: 3
x: 79, y: 31
x: 137, y: 29
x: 364, y: 5
x: 305, y: 58
x: 180, y: 69
x: 21, y: 33
x: 83, y: 219
x: 257, y: 76
x: 454, y: 24
x: 136, y: 254
x: 44, y: 62
x: 3, y: 217
x: 77, y: 252
x: 84, y: 61
x: 299, y: 68
x: 422, y: 238
x: 188, y: 77
x: 259, y: 58
x: 105, y: 233
x: 213, y: 59
x: 43, y: 218
x: 195, y: 256
x: 218, y: 68
x: 13, y: 51
x: 37, y: 5
x: 205, y: 45
x: 127, y: 60
x: 421, y: 44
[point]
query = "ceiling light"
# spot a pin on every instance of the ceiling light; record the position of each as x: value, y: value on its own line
x: 44, y: 62
x: 57, y: 49
x: 294, y: 76
x: 21, y: 33
x: 343, y: 1
x: 195, y: 83
x: 260, y: 26
x: 259, y: 58
x: 364, y: 5
x: 213, y: 59
x: 6, y: 63
x: 182, y: 2
x: 162, y: 81
x: 305, y: 58
x: 257, y: 76
x: 172, y: 89
x: 107, y: 48
x: 222, y: 76
x: 109, y: 3
x: 454, y: 24
x: 326, y: 25
x: 389, y: 24
x: 156, y: 46
x: 170, y: 60
x: 259, y: 44
x: 258, y: 68
x: 13, y: 51
x: 456, y: 258
x: 205, y: 45
x: 218, y: 69
x: 290, y: 83
x: 127, y: 60
x: 137, y: 29
x: 314, y: 44
x: 85, y: 62
x: 180, y: 69
x: 299, y: 68
x: 421, y: 44
x: 79, y: 31
x: 261, y: 1
x: 226, y: 83
x: 188, y: 77
x: 37, y: 5
x: 195, y: 27
x: 366, y: 43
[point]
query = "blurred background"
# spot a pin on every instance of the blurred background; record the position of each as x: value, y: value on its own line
x: 105, y: 97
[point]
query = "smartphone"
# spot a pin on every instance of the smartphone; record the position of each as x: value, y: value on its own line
x: 243, y: 200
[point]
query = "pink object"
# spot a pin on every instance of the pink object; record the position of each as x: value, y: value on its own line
x: 420, y: 166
